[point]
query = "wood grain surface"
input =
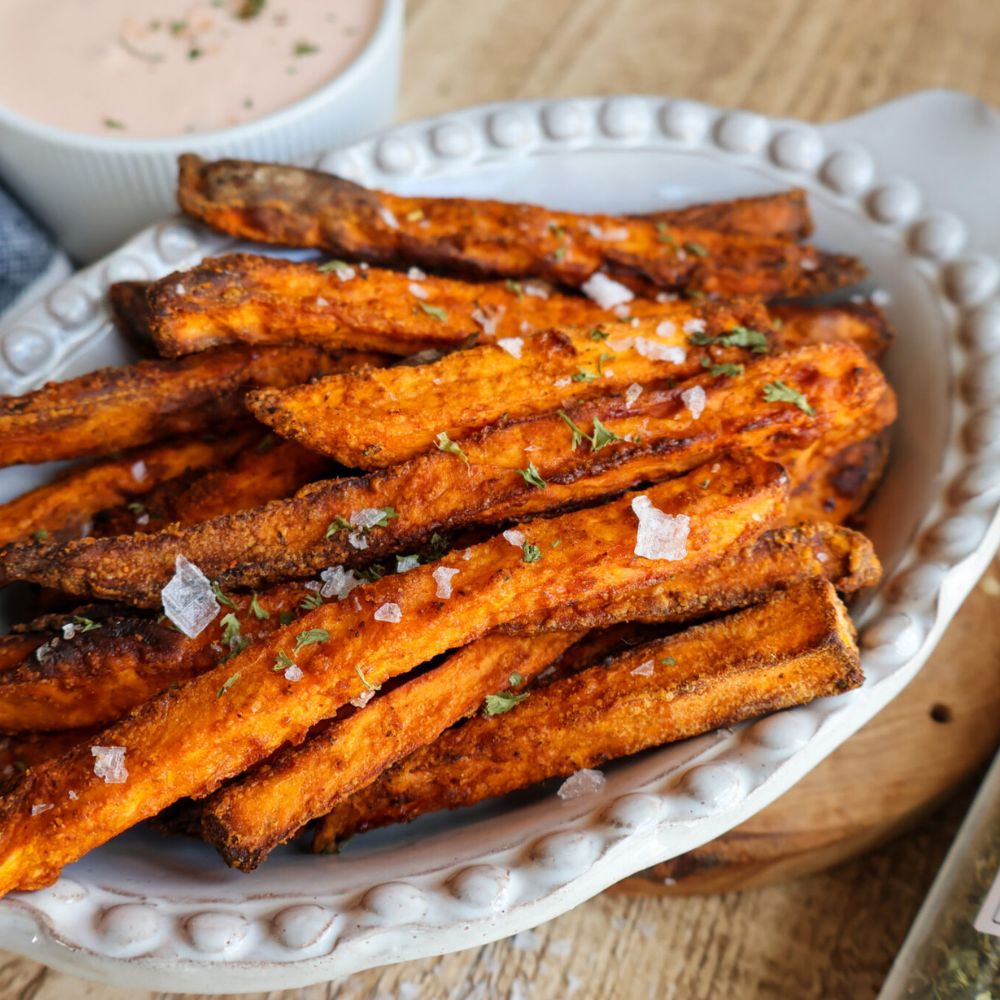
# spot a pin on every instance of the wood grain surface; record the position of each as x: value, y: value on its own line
x: 830, y: 935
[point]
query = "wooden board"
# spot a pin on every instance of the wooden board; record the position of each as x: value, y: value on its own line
x: 901, y: 765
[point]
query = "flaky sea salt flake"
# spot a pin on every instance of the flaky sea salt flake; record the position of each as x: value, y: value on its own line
x: 656, y: 351
x: 41, y: 807
x: 294, y: 673
x: 415, y: 274
x: 660, y: 536
x: 694, y: 400
x: 512, y: 345
x: 417, y: 291
x: 442, y: 577
x: 694, y: 325
x: 188, y: 600
x: 362, y: 699
x: 139, y: 471
x: 586, y: 781
x: 645, y: 669
x: 338, y: 582
x: 632, y: 393
x: 514, y: 536
x: 109, y: 764
x: 389, y: 612
x: 405, y: 563
x: 605, y: 291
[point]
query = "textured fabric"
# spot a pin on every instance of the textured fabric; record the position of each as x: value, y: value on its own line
x: 25, y: 249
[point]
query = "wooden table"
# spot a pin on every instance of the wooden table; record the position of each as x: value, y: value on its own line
x: 831, y: 935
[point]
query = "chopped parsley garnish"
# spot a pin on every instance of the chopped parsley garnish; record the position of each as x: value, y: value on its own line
x: 698, y: 249
x: 266, y: 444
x: 602, y: 436
x: 436, y: 311
x: 194, y: 53
x: 556, y: 542
x: 515, y: 287
x: 85, y: 624
x: 739, y: 336
x: 286, y: 617
x: 178, y: 27
x: 725, y: 369
x: 578, y: 435
x: 515, y: 679
x: 601, y: 358
x: 663, y: 234
x: 230, y: 629
x: 311, y: 602
x: 445, y: 443
x: 559, y: 253
x: 531, y: 552
x: 778, y: 392
x: 40, y: 535
x: 556, y: 229
x: 584, y: 376
x: 221, y: 597
x: 229, y: 683
x: 668, y: 661
x: 282, y: 661
x: 310, y: 637
x: 113, y: 123
x: 388, y: 513
x: 497, y: 704
x: 532, y: 476
x: 137, y: 508
x: 256, y: 610
x: 304, y: 49
x: 364, y: 680
x: 332, y: 265
x: 337, y: 525
x: 250, y: 9
x: 597, y: 334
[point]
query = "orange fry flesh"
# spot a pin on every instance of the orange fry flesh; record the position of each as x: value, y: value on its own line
x: 797, y: 646
x: 188, y: 740
x: 846, y: 392
x: 298, y: 207
x: 782, y: 215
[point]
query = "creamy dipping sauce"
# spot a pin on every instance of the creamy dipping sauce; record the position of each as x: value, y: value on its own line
x: 145, y: 68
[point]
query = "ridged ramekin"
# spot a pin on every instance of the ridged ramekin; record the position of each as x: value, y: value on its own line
x: 93, y: 191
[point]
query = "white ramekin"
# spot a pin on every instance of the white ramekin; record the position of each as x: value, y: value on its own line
x: 94, y: 191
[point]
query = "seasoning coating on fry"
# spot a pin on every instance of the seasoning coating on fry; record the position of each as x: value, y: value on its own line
x: 861, y: 323
x: 114, y: 408
x: 644, y: 439
x: 306, y: 208
x: 186, y: 741
x: 797, y: 646
x: 783, y: 215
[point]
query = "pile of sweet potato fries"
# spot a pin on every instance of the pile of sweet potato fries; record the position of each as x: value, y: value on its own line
x: 485, y: 494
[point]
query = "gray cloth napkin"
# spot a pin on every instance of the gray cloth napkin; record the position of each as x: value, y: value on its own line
x: 25, y: 249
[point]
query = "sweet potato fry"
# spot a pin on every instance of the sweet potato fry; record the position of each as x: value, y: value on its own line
x: 19, y: 751
x: 267, y: 469
x: 438, y: 491
x: 861, y: 323
x: 119, y: 407
x: 305, y: 208
x: 98, y: 674
x: 188, y: 740
x: 245, y: 298
x: 246, y: 820
x: 374, y: 419
x: 63, y: 507
x: 130, y: 311
x: 783, y: 215
x: 842, y: 483
x: 796, y: 647
x: 777, y: 559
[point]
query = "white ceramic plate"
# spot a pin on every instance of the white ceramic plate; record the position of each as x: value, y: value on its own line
x: 910, y: 187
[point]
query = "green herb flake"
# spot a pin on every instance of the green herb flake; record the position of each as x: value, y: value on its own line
x: 282, y: 661
x: 337, y: 525
x: 113, y: 123
x: 364, y: 680
x: 311, y: 602
x: 310, y: 637
x: 286, y: 617
x: 668, y: 661
x: 597, y: 334
x: 137, y: 508
x: 742, y: 336
x: 532, y: 476
x: 40, y: 535
x: 778, y: 392
x: 230, y: 629
x: 698, y: 249
x: 436, y: 311
x: 85, y: 624
x: 531, y: 553
x: 250, y: 9
x: 559, y: 253
x: 602, y: 436
x: 515, y: 679
x: 304, y: 49
x: 178, y: 27
x: 256, y: 610
x: 332, y: 265
x: 445, y: 443
x: 578, y: 435
x: 194, y: 53
x: 663, y: 234
x: 584, y: 376
x: 498, y: 704
x: 228, y: 684
x: 556, y: 542
x: 732, y: 370
x: 221, y: 597
x: 266, y: 444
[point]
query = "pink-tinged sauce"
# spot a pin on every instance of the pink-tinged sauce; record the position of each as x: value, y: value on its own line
x: 145, y: 68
